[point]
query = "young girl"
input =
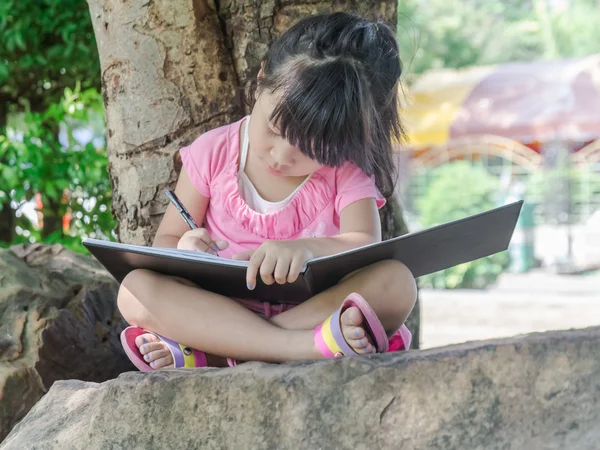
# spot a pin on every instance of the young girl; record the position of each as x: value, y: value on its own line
x: 303, y: 176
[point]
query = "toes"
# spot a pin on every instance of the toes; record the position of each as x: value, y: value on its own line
x: 352, y: 317
x: 366, y: 350
x: 162, y: 362
x: 156, y: 354
x: 363, y: 348
x: 353, y: 333
x: 356, y: 338
x: 154, y: 350
x: 152, y: 346
x: 145, y: 338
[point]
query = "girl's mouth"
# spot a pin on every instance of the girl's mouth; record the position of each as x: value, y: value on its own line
x: 274, y: 171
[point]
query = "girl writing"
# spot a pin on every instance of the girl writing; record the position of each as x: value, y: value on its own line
x: 302, y: 176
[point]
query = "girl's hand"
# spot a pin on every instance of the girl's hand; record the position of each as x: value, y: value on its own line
x: 200, y: 241
x: 276, y: 261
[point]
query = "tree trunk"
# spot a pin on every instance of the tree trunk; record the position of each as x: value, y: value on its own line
x: 51, y: 215
x: 7, y: 214
x: 51, y: 218
x: 7, y: 223
x: 172, y: 70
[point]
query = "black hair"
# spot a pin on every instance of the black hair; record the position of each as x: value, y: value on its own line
x: 336, y: 77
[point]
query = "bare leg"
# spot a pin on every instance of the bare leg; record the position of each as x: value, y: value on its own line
x: 388, y: 286
x: 218, y: 325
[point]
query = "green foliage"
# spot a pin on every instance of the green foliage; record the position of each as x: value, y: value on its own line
x: 47, y: 45
x: 459, y: 33
x: 575, y: 31
x: 460, y: 189
x: 559, y: 189
x: 70, y: 176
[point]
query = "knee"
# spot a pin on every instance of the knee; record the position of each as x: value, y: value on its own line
x: 399, y: 289
x: 134, y: 288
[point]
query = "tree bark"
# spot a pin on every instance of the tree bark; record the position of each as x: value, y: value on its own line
x: 173, y: 70
x: 52, y: 220
x: 7, y: 223
x: 7, y: 214
x: 51, y: 215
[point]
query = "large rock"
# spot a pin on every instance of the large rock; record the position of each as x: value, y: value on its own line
x: 58, y: 320
x: 537, y: 392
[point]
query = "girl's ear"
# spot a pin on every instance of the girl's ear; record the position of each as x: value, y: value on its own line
x: 261, y: 74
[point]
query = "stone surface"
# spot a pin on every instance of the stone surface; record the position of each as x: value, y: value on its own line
x: 535, y: 392
x: 58, y: 320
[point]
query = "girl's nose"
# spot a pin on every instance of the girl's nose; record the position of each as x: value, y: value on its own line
x: 283, y: 155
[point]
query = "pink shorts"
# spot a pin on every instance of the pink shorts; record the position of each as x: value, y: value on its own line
x: 398, y: 342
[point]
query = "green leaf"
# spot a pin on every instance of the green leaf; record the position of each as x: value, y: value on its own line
x: 51, y: 191
x: 10, y: 176
x: 19, y: 42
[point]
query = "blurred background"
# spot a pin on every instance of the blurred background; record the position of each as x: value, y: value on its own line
x: 501, y: 102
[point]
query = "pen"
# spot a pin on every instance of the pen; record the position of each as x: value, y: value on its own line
x: 185, y: 214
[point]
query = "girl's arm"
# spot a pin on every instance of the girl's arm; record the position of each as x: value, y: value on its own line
x: 282, y: 261
x: 359, y: 225
x: 172, y: 225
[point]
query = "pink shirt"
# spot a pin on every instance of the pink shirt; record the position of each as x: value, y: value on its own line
x: 211, y: 162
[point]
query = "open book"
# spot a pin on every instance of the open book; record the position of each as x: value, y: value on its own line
x: 423, y: 252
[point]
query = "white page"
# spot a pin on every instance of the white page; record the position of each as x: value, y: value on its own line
x: 173, y: 252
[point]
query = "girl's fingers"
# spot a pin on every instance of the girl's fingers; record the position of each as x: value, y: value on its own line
x: 295, y: 268
x: 244, y: 256
x: 203, y: 236
x: 282, y: 268
x: 201, y: 246
x: 253, y: 266
x: 267, y: 268
x: 221, y: 244
x: 200, y: 240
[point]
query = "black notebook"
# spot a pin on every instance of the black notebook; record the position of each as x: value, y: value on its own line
x: 423, y: 252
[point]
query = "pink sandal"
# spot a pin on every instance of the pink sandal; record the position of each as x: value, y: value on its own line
x: 330, y: 339
x: 182, y: 356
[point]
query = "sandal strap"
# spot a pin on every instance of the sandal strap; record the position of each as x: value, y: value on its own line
x: 330, y: 340
x: 175, y: 349
x: 182, y: 356
x: 192, y: 357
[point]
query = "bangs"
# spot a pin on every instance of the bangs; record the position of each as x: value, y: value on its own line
x: 320, y: 109
x: 334, y: 83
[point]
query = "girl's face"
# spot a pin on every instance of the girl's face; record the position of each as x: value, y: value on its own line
x: 271, y: 150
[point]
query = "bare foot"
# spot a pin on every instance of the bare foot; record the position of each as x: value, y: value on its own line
x: 155, y: 352
x: 354, y: 333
